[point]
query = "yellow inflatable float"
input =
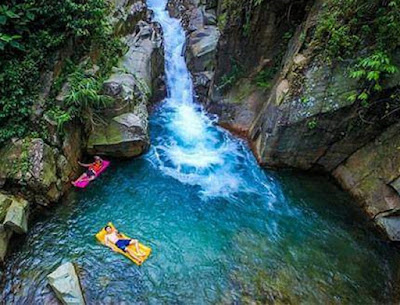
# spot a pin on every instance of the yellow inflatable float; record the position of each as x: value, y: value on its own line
x: 146, y: 250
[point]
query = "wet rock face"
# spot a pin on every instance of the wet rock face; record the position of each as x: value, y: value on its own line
x: 306, y: 121
x: 199, y: 21
x: 65, y: 283
x: 246, y: 47
x: 139, y: 78
x: 17, y: 216
x: 201, y: 49
x: 372, y: 174
x: 14, y: 213
x: 33, y: 164
x: 5, y: 202
x: 127, y: 15
x: 5, y: 236
x: 145, y: 57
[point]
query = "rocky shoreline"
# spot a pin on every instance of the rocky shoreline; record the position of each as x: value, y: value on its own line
x: 37, y: 172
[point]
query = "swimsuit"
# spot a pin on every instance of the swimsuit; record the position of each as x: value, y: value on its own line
x: 97, y: 166
x: 123, y: 243
x: 90, y: 172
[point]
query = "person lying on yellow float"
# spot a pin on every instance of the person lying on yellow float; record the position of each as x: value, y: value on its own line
x: 115, y: 238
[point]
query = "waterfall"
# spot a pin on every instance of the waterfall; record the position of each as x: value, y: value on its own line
x: 191, y: 147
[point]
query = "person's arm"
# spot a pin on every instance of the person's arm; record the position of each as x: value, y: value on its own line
x: 108, y: 244
x: 84, y: 164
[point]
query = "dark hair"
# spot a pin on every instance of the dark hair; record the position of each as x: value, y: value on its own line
x: 105, y: 228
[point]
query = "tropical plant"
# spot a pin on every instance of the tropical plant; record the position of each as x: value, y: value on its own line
x: 31, y: 32
x: 371, y: 71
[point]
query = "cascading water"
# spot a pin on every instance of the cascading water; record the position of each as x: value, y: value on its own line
x: 191, y: 148
x: 222, y: 230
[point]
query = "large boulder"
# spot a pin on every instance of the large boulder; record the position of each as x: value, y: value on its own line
x: 125, y: 89
x: 124, y: 132
x: 17, y: 216
x: 5, y: 202
x: 145, y: 57
x: 124, y: 136
x: 371, y: 175
x: 5, y: 236
x: 31, y: 163
x: 391, y: 226
x: 65, y: 283
x: 201, y: 49
x: 127, y: 14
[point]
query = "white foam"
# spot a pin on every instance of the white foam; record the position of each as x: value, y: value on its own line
x: 191, y: 149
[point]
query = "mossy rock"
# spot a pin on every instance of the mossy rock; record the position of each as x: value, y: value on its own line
x: 123, y: 136
x: 5, y: 202
x: 17, y: 216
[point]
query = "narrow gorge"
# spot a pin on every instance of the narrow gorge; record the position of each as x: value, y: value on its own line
x: 256, y: 157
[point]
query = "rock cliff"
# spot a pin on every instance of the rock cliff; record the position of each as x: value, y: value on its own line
x: 266, y: 81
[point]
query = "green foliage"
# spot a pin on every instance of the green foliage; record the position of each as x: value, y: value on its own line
x: 83, y: 96
x: 370, y: 71
x: 59, y: 116
x: 14, y: 18
x: 346, y: 26
x: 221, y: 21
x: 31, y: 31
x: 229, y: 79
x: 265, y: 76
x: 304, y: 100
x: 367, y: 29
x: 312, y: 124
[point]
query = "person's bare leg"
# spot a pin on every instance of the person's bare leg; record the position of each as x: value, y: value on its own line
x: 132, y: 253
x: 136, y: 244
x: 85, y: 178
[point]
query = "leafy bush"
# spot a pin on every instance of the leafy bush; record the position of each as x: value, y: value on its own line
x: 232, y: 77
x: 365, y: 29
x: 84, y: 96
x: 347, y: 26
x: 371, y: 70
x: 31, y: 31
x: 264, y: 77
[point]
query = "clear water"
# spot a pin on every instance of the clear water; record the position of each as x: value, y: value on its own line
x: 222, y: 230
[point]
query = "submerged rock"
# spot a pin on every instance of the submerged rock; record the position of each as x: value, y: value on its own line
x: 65, y: 283
x: 17, y: 216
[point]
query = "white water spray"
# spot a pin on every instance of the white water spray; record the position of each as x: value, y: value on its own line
x: 191, y: 148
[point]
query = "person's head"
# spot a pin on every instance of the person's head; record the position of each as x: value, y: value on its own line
x: 97, y: 158
x: 108, y: 229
